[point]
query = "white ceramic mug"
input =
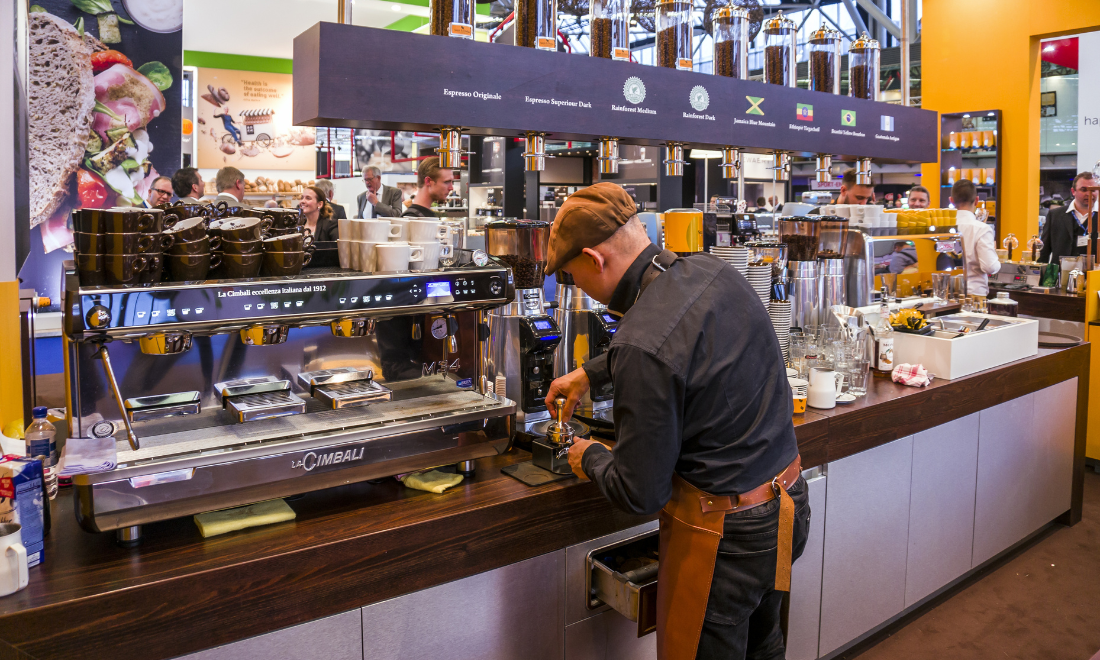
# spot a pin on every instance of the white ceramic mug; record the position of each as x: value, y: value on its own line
x: 343, y: 250
x: 844, y: 210
x: 857, y: 213
x: 423, y: 231
x: 367, y: 254
x: 378, y: 231
x: 13, y: 568
x: 397, y: 256
x: 403, y: 229
x: 433, y: 250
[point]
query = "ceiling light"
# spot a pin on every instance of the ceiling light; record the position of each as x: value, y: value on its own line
x: 1049, y: 49
x: 966, y: 116
x: 989, y: 115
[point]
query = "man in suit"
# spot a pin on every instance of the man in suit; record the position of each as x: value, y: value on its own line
x: 338, y: 210
x: 188, y: 185
x: 230, y: 184
x: 378, y: 201
x: 1064, y: 230
x: 159, y: 193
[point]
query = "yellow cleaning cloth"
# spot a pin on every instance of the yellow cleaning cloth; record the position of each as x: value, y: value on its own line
x: 253, y: 515
x: 432, y: 481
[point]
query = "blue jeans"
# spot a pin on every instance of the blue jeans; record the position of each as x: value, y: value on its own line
x: 743, y: 610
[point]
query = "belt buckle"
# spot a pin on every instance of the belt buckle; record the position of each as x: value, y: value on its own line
x: 776, y: 487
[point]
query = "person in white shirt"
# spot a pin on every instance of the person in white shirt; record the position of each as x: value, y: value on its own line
x: 977, y: 239
x: 378, y: 201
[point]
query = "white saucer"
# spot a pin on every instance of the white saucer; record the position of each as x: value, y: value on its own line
x: 791, y: 373
x: 800, y: 382
x: 845, y: 398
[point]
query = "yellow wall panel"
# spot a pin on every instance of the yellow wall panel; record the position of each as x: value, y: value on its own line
x: 11, y: 366
x: 984, y: 55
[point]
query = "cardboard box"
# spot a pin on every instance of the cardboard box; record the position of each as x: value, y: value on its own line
x: 22, y: 501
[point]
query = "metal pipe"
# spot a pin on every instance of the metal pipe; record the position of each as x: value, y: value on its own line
x: 674, y: 159
x: 863, y: 172
x: 105, y: 357
x: 534, y: 152
x: 450, y: 147
x: 782, y: 169
x: 876, y: 13
x: 731, y: 163
x: 861, y: 27
x: 609, y: 156
x: 906, y: 26
x: 824, y: 164
x: 343, y: 11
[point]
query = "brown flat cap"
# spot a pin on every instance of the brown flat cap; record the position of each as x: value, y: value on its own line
x: 586, y: 219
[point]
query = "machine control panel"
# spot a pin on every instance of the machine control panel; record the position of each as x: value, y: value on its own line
x: 602, y: 326
x: 539, y: 337
x: 167, y: 305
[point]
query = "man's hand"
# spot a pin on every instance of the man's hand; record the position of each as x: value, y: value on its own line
x: 573, y: 386
x: 371, y: 197
x: 576, y: 453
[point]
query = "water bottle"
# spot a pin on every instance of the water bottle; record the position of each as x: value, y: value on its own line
x: 40, y: 437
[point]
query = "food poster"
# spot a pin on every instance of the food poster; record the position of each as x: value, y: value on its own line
x: 245, y: 120
x: 103, y: 106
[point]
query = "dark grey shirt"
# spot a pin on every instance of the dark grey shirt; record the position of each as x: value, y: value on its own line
x: 700, y: 387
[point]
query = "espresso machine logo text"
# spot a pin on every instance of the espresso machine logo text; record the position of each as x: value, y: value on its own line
x: 313, y: 459
x: 440, y: 367
x: 237, y: 293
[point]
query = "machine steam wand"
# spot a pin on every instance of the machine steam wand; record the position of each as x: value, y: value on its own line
x: 105, y: 357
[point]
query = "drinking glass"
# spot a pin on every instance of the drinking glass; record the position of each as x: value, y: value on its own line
x: 859, y: 369
x: 941, y: 285
x: 797, y: 353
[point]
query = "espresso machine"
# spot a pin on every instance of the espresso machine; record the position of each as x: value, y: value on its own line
x: 518, y: 360
x: 222, y: 393
x: 587, y: 329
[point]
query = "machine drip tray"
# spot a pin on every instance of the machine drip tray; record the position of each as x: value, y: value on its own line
x: 264, y: 405
x: 351, y: 394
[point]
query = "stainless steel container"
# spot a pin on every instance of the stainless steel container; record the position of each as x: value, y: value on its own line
x: 833, y: 288
x: 805, y: 293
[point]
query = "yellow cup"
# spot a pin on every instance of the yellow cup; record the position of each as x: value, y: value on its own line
x: 799, y: 404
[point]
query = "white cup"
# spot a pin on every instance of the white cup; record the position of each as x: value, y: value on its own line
x: 433, y: 250
x: 397, y: 256
x: 343, y: 250
x: 857, y: 213
x: 367, y: 255
x: 844, y: 210
x: 423, y: 231
x: 13, y: 568
x: 403, y: 229
x: 378, y: 231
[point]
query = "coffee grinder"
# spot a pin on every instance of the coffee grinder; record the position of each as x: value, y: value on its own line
x: 518, y: 359
x: 587, y: 329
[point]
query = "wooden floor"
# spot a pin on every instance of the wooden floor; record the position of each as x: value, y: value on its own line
x: 1042, y: 603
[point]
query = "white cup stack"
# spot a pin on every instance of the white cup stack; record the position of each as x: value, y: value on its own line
x: 780, y: 312
x: 735, y: 255
x: 760, y: 277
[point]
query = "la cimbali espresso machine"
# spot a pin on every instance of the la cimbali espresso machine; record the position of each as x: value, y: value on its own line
x: 228, y: 392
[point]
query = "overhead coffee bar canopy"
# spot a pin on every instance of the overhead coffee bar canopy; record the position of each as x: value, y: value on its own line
x: 360, y: 77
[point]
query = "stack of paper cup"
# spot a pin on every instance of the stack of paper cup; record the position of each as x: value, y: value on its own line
x: 780, y: 312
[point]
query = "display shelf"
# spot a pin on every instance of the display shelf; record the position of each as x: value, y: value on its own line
x: 964, y: 158
x: 554, y: 93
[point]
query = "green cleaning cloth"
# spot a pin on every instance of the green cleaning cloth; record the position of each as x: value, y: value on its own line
x: 242, y: 517
x: 432, y: 481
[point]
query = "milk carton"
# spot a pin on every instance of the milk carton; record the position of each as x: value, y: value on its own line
x: 22, y: 501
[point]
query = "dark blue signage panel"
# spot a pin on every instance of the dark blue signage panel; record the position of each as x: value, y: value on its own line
x: 362, y: 77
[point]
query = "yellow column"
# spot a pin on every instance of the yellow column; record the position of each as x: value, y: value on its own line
x: 11, y: 373
x: 1092, y: 335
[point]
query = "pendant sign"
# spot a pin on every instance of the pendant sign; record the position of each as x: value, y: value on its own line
x: 547, y: 43
x: 461, y: 30
x: 620, y: 54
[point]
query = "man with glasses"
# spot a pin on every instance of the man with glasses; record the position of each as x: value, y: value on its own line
x: 1064, y: 232
x: 160, y: 192
x: 378, y: 201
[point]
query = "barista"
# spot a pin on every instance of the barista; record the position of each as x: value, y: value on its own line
x: 1064, y: 229
x: 703, y: 435
x: 434, y: 183
x: 852, y: 192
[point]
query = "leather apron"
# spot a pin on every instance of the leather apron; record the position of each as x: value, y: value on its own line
x: 691, y: 527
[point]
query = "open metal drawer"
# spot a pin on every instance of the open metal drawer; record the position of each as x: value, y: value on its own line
x: 624, y: 576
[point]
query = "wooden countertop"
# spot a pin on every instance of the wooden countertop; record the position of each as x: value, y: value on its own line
x: 355, y: 545
x: 1057, y: 305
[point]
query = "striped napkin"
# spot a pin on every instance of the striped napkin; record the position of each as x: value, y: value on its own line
x: 914, y: 375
